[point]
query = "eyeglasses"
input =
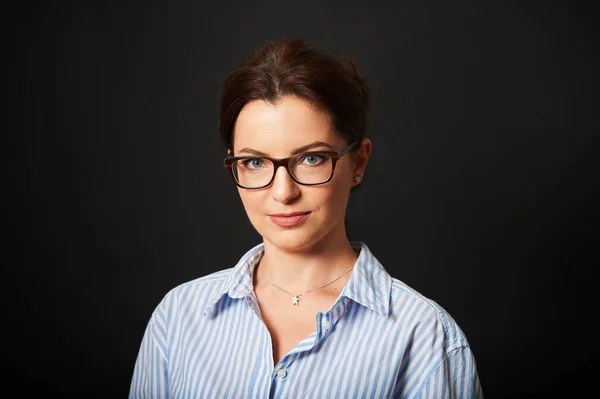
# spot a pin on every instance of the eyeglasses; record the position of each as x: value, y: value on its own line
x: 307, y: 168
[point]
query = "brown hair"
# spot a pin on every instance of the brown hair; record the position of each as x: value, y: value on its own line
x: 291, y: 67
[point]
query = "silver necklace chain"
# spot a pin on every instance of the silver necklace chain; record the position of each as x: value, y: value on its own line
x: 296, y: 297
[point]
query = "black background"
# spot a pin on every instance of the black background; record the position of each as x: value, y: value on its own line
x: 481, y: 191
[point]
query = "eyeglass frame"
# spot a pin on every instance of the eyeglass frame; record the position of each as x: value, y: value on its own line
x: 277, y: 162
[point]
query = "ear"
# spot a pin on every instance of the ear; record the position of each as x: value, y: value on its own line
x: 362, y: 157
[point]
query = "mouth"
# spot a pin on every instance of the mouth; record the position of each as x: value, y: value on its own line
x: 285, y: 215
x: 289, y: 219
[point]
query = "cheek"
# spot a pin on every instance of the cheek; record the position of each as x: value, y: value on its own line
x: 249, y: 200
x: 337, y: 195
x: 342, y: 180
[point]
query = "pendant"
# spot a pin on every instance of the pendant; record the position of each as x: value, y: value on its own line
x: 295, y: 299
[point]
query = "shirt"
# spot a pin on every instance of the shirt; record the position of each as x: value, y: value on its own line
x: 379, y: 339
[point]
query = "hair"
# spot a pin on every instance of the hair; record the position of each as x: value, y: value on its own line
x: 289, y: 66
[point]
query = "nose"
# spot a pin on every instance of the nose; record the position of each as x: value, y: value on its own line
x: 284, y: 189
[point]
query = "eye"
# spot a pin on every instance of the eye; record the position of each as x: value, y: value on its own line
x: 253, y: 163
x: 313, y: 159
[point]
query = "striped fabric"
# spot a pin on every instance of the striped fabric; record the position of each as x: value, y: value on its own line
x: 380, y: 339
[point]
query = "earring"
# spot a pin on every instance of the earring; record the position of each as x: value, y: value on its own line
x: 357, y: 179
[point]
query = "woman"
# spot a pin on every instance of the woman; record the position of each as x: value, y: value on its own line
x: 306, y: 313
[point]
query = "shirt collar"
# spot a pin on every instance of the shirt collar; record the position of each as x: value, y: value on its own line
x: 369, y: 284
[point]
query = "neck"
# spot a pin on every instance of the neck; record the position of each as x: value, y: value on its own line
x: 302, y: 270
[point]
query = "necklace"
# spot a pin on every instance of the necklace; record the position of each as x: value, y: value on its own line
x: 296, y: 298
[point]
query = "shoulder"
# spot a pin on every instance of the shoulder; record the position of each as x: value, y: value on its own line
x: 210, y: 281
x: 193, y: 295
x: 422, y: 312
x: 409, y: 311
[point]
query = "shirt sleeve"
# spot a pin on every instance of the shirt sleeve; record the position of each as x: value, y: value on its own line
x: 150, y: 374
x: 456, y: 377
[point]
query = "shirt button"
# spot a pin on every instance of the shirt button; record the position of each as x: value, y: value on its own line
x: 281, y: 373
x: 326, y: 324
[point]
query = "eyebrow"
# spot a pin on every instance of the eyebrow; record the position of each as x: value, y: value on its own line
x: 304, y: 148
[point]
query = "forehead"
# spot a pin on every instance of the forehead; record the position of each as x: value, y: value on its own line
x: 278, y: 129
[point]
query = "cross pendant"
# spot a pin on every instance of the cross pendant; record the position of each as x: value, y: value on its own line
x: 295, y: 299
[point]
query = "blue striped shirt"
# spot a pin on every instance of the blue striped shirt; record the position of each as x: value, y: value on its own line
x: 380, y: 339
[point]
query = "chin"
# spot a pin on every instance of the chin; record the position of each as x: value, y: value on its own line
x: 291, y: 241
x: 296, y: 239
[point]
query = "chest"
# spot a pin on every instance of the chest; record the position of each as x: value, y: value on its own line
x: 286, y: 336
x: 287, y: 326
x: 228, y: 355
x: 289, y: 322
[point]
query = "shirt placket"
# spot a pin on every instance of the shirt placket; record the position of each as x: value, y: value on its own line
x: 325, y: 322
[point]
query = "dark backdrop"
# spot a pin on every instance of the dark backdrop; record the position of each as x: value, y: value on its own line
x: 481, y: 191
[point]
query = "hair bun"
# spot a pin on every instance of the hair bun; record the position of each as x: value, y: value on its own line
x: 360, y: 82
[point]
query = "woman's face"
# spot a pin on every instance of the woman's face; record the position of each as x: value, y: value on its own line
x: 278, y: 131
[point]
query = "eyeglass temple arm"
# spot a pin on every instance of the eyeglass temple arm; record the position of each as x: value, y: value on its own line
x: 345, y: 150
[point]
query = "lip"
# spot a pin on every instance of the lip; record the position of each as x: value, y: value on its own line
x: 289, y: 219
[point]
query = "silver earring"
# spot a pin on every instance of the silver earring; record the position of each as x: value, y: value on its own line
x: 357, y: 179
